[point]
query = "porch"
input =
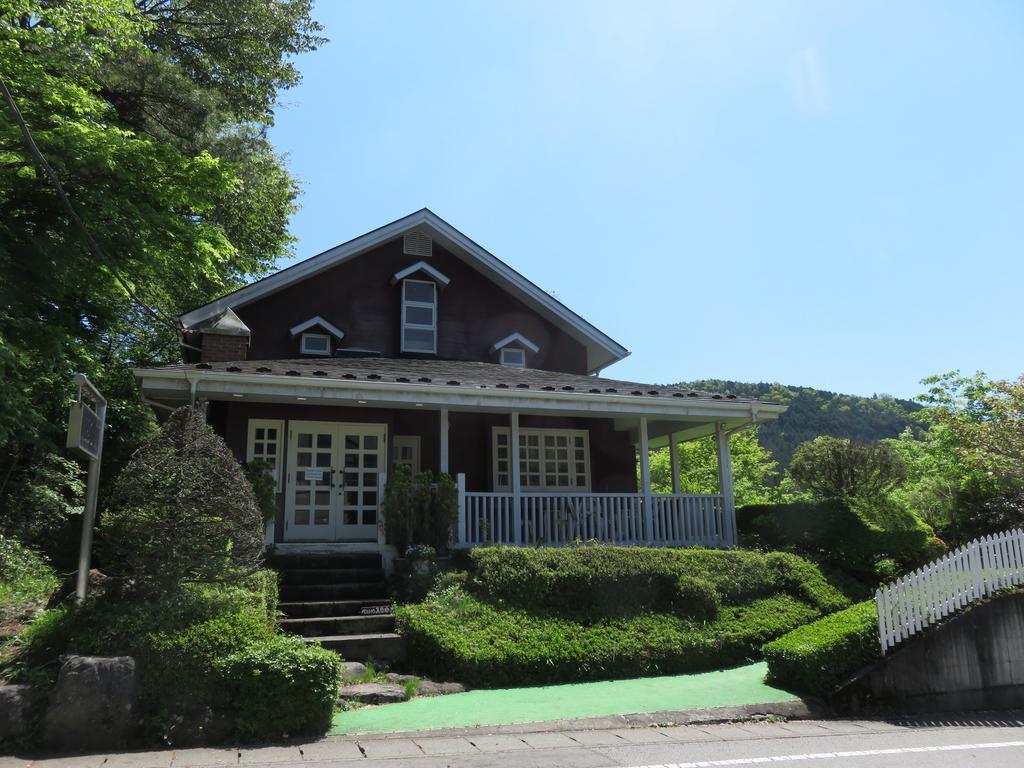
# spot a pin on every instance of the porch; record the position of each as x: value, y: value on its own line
x: 540, y: 458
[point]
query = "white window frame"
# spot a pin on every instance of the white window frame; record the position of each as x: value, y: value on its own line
x: 256, y: 449
x: 524, y: 460
x: 505, y: 354
x: 303, y: 349
x: 419, y: 326
x: 406, y: 441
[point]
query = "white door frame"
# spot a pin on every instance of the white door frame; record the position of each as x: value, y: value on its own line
x: 338, y: 495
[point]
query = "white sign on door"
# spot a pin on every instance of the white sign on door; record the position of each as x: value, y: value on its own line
x: 314, y: 474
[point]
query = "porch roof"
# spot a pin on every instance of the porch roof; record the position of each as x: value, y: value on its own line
x: 405, y: 382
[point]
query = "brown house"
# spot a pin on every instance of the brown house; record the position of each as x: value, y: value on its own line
x: 413, y: 345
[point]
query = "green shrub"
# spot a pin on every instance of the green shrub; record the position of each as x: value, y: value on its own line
x: 181, y: 511
x: 260, y: 474
x: 847, y: 534
x: 420, y: 510
x: 205, y: 644
x: 456, y: 634
x: 817, y: 657
x: 25, y: 580
x: 280, y: 687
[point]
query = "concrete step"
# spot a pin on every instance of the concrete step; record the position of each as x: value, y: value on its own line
x: 290, y: 562
x: 383, y: 647
x: 338, y: 625
x: 321, y: 592
x: 329, y: 608
x: 301, y: 576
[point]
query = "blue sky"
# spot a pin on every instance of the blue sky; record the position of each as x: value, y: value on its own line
x: 820, y: 193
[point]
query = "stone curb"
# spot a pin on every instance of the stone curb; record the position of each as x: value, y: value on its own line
x: 790, y: 710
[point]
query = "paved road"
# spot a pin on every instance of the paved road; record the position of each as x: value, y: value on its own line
x: 991, y: 742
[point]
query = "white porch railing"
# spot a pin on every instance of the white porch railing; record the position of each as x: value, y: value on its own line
x: 946, y: 585
x: 550, y: 519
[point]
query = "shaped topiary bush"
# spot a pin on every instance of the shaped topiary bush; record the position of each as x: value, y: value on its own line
x: 181, y: 511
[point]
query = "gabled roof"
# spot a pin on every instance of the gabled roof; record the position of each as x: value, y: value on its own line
x: 515, y: 337
x: 317, y: 322
x: 602, y: 350
x: 421, y: 266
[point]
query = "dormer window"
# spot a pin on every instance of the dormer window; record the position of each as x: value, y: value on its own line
x: 313, y: 340
x: 315, y: 344
x: 512, y: 350
x: 513, y: 357
x: 419, y: 316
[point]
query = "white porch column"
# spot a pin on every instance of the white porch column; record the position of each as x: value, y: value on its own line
x: 645, y: 481
x: 513, y: 449
x: 673, y: 454
x: 725, y: 484
x: 443, y: 463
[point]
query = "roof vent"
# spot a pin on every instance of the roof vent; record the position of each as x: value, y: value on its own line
x: 417, y: 244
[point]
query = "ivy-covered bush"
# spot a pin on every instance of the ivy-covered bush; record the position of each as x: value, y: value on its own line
x: 420, y: 509
x: 181, y: 511
x: 208, y: 645
x: 817, y: 657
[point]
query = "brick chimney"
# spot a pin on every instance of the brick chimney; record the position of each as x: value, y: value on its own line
x: 223, y: 339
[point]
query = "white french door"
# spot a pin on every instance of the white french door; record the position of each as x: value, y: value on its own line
x: 335, y: 481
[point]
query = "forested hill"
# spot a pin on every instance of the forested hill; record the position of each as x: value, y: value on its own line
x: 814, y: 412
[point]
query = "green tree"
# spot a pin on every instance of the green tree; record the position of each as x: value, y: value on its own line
x: 755, y: 472
x: 831, y: 467
x: 136, y: 181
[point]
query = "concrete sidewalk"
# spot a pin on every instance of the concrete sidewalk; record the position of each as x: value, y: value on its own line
x: 591, y: 744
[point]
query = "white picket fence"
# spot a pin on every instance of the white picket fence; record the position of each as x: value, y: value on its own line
x: 944, y: 586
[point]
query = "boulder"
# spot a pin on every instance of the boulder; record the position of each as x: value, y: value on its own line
x: 16, y: 705
x: 94, y: 704
x: 394, y: 677
x: 351, y: 669
x: 430, y: 688
x: 373, y: 693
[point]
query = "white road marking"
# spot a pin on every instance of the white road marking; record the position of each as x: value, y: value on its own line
x: 831, y: 755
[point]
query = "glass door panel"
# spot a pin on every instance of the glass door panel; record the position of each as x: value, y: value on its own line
x: 362, y: 451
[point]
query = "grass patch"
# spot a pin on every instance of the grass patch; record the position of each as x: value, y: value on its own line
x: 26, y: 581
x: 817, y: 657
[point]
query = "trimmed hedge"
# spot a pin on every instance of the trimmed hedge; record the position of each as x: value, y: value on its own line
x: 818, y: 657
x: 595, y: 612
x: 613, y: 581
x: 454, y: 634
x: 851, y: 535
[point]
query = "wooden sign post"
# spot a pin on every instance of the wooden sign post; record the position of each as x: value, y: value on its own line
x: 86, y: 422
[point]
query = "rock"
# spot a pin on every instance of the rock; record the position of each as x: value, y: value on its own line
x: 351, y: 669
x: 16, y: 705
x: 93, y: 705
x: 373, y: 693
x: 97, y: 583
x: 430, y: 688
x: 394, y: 677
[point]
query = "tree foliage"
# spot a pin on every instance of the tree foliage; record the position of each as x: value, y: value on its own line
x: 153, y: 116
x: 830, y: 467
x: 755, y: 472
x: 182, y: 510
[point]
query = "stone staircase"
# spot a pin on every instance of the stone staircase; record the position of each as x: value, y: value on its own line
x: 340, y: 600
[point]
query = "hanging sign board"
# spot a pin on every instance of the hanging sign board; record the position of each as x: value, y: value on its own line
x: 84, y: 433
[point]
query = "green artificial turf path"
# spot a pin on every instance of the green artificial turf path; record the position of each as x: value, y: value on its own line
x: 722, y: 688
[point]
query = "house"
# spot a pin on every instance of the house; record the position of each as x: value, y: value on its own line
x: 413, y: 345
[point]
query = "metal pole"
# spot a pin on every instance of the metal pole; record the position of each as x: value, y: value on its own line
x: 91, y: 493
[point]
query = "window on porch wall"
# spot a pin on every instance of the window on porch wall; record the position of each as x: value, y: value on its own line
x: 549, y: 459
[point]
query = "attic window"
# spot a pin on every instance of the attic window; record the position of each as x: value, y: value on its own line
x: 417, y: 244
x: 315, y: 344
x: 513, y: 357
x: 419, y: 316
